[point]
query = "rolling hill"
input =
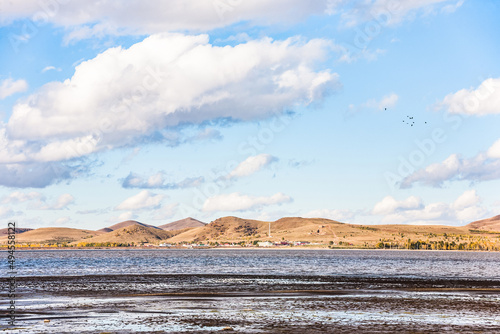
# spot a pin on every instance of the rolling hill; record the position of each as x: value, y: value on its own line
x: 489, y: 224
x: 51, y: 235
x: 234, y: 229
x: 313, y: 230
x: 134, y: 233
x: 19, y: 230
x: 124, y: 224
x: 182, y: 224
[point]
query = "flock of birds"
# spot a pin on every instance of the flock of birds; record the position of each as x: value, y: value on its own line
x: 409, y: 120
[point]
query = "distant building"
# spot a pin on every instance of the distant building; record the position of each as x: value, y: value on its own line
x: 265, y: 244
x: 301, y: 243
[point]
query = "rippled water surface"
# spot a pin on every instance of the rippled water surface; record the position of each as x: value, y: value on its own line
x: 484, y: 265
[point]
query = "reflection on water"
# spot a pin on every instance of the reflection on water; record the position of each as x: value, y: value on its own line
x: 485, y: 265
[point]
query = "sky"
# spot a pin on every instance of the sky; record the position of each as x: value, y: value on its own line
x: 365, y: 112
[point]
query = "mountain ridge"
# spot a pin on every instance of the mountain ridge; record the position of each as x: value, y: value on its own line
x: 233, y: 230
x: 182, y: 223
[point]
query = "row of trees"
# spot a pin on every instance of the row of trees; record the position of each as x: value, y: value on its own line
x: 479, y: 244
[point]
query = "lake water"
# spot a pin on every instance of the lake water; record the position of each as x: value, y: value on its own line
x: 377, y: 263
x: 255, y: 291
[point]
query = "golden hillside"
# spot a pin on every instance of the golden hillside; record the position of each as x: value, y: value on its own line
x: 325, y: 231
x: 490, y: 224
x: 52, y: 235
x: 181, y: 224
x: 124, y: 224
x: 477, y: 235
x: 136, y: 234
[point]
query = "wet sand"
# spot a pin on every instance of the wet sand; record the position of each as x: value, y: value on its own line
x: 254, y: 304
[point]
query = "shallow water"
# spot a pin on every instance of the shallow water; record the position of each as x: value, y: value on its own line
x: 376, y: 263
x: 255, y: 291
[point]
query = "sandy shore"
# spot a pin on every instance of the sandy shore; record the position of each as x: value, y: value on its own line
x: 254, y: 304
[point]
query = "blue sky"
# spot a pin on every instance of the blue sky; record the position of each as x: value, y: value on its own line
x: 161, y: 110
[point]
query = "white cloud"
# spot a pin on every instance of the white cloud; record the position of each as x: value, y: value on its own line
x: 124, y: 216
x: 127, y: 216
x: 390, y: 205
x: 21, y: 197
x: 10, y: 87
x: 494, y: 151
x: 343, y: 216
x: 157, y: 84
x: 483, y: 100
x: 388, y: 101
x: 251, y: 165
x: 94, y: 18
x: 240, y: 202
x: 62, y: 202
x: 467, y: 199
x: 39, y: 175
x: 464, y: 209
x: 482, y: 167
x: 38, y: 201
x: 143, y: 200
x: 157, y: 181
x: 50, y: 68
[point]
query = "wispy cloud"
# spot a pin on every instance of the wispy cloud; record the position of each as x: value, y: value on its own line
x: 387, y: 101
x: 38, y: 201
x: 482, y: 167
x: 251, y: 165
x: 241, y: 202
x: 142, y: 200
x: 412, y: 210
x: 51, y: 68
x: 10, y: 87
x: 149, y: 17
x: 483, y: 100
x: 158, y: 181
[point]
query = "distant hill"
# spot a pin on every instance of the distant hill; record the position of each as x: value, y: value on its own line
x: 476, y: 235
x: 19, y: 230
x: 134, y: 233
x: 124, y: 224
x: 489, y: 224
x: 52, y: 235
x: 182, y: 224
x: 234, y: 229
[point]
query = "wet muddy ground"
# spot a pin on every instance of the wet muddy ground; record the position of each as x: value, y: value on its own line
x: 253, y: 304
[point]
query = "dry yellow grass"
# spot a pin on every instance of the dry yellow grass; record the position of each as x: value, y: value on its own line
x: 314, y: 230
x: 132, y: 234
x: 233, y: 229
x: 50, y: 235
x: 490, y: 224
x: 181, y: 224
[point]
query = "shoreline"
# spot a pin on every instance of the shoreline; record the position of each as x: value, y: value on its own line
x: 241, y: 248
x: 208, y: 303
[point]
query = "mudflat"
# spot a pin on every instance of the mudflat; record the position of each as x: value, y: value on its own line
x: 210, y: 303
